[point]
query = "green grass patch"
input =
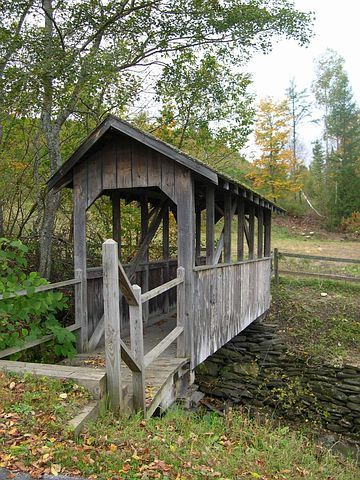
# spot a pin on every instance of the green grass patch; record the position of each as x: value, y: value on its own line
x: 180, y: 445
x: 324, y: 326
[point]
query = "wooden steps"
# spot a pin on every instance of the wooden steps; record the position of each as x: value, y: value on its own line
x: 93, y: 380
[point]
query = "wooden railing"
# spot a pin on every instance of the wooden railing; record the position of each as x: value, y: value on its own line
x: 115, y: 349
x: 279, y: 255
x: 46, y: 338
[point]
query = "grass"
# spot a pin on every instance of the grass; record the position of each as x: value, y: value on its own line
x: 180, y: 445
x: 326, y: 327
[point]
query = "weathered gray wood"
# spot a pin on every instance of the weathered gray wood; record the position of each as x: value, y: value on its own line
x: 317, y: 257
x: 180, y: 310
x: 137, y: 349
x: 139, y: 170
x: 144, y: 230
x: 128, y: 358
x: 240, y: 229
x: 210, y: 224
x: 145, y: 297
x: 228, y: 214
x: 220, y: 244
x: 186, y: 256
x: 251, y: 230
x: 162, y: 346
x: 166, y: 255
x: 123, y: 164
x: 321, y: 275
x: 168, y: 177
x: 43, y: 288
x: 125, y: 286
x: 227, y: 299
x: 198, y: 237
x: 112, y: 323
x: 34, y: 343
x: 260, y: 242
x: 116, y: 220
x: 276, y: 265
x: 267, y: 232
x: 80, y: 198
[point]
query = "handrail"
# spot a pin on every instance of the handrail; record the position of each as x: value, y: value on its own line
x: 162, y: 346
x: 145, y: 297
x: 232, y: 264
x: 41, y: 288
x: 315, y: 257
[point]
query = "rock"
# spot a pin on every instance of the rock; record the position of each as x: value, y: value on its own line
x: 323, y: 294
x: 353, y: 406
x: 354, y: 398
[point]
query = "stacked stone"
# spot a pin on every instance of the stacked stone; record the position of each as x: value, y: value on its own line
x: 256, y: 368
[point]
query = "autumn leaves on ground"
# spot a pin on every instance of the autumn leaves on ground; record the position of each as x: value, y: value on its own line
x: 180, y: 445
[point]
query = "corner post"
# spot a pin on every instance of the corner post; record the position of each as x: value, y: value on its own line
x: 112, y: 323
x: 137, y: 349
x: 181, y: 300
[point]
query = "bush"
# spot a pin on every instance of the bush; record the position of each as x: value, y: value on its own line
x: 28, y: 317
x: 352, y: 224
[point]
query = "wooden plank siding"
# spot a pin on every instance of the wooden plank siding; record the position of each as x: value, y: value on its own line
x: 227, y: 299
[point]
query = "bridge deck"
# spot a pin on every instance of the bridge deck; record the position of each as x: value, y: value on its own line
x: 160, y: 376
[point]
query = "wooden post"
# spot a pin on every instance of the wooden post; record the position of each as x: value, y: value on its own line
x: 166, y: 256
x: 180, y: 309
x: 137, y: 349
x: 186, y: 254
x: 227, y: 227
x: 116, y: 220
x: 81, y: 311
x: 240, y: 232
x: 198, y: 237
x: 112, y: 323
x: 251, y: 230
x: 210, y: 224
x: 260, y: 243
x: 276, y: 265
x: 144, y: 230
x: 267, y: 224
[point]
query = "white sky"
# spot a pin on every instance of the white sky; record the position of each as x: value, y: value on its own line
x: 337, y: 27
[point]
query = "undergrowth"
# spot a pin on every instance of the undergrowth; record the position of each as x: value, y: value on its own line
x: 319, y: 317
x: 179, y: 445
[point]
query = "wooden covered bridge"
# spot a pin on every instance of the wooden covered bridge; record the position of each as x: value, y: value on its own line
x: 163, y: 318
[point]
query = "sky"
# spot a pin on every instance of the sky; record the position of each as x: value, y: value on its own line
x: 337, y: 27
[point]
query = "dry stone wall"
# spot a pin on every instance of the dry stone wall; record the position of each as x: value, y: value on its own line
x: 256, y: 368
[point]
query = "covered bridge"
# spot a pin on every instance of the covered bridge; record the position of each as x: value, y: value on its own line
x: 217, y: 294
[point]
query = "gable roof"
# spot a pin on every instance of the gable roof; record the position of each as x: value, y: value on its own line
x: 111, y: 122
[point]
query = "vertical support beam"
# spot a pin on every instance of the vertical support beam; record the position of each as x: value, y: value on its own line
x: 166, y: 256
x: 116, y: 220
x: 227, y: 227
x: 210, y: 224
x: 276, y: 265
x: 267, y: 224
x: 144, y: 230
x: 198, y: 237
x: 260, y: 243
x: 137, y: 349
x: 180, y: 307
x: 112, y: 323
x: 81, y: 312
x: 251, y: 230
x: 186, y: 254
x: 240, y: 230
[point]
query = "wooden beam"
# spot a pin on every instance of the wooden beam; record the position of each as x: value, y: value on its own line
x: 210, y: 224
x: 166, y: 256
x: 81, y: 313
x: 116, y: 219
x: 197, y: 237
x: 112, y: 323
x: 220, y: 244
x: 145, y: 274
x: 137, y: 350
x: 260, y: 242
x: 251, y: 230
x: 227, y: 227
x: 240, y: 230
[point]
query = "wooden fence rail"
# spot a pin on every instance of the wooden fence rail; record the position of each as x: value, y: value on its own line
x: 46, y: 338
x: 278, y: 255
x: 115, y: 349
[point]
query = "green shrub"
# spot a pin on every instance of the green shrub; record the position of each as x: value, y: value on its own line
x: 28, y: 317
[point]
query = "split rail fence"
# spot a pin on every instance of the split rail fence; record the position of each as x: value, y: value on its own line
x: 280, y: 255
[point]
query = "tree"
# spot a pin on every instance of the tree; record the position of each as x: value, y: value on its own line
x: 341, y: 133
x: 272, y: 171
x: 70, y: 59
